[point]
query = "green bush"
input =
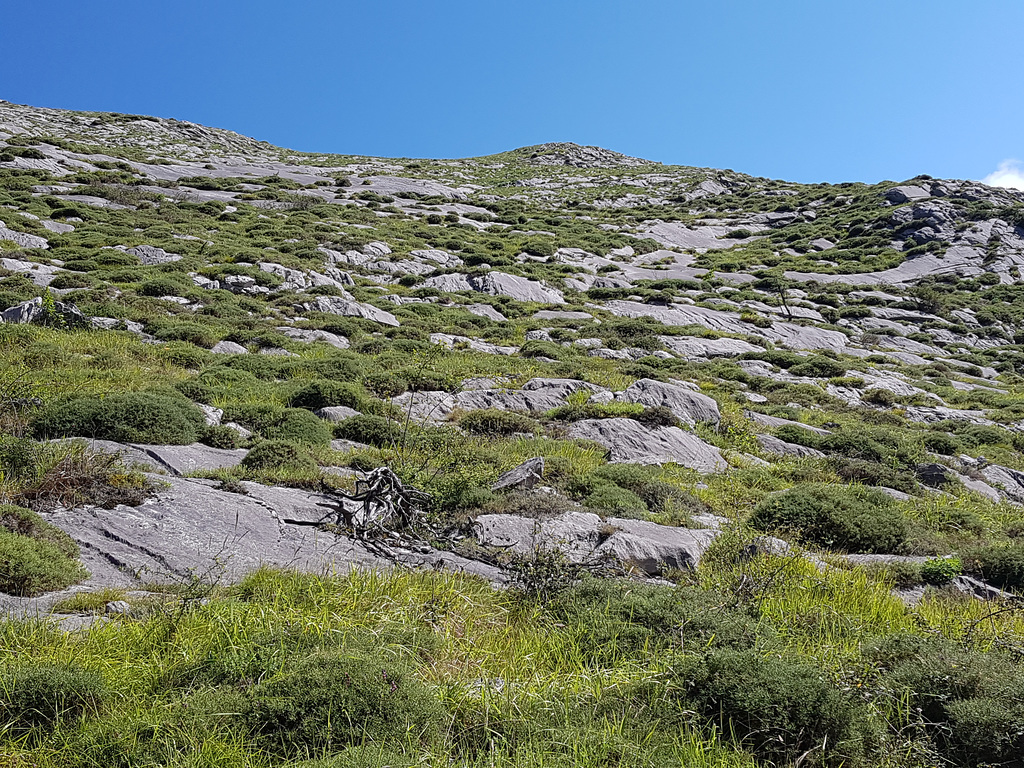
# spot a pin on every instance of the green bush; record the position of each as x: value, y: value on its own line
x: 279, y: 455
x: 640, y: 480
x: 372, y: 430
x: 25, y: 522
x: 819, y: 367
x: 221, y: 437
x: 611, y: 618
x: 325, y: 394
x: 31, y: 567
x: 999, y: 564
x: 968, y: 701
x: 40, y: 695
x: 492, y: 421
x: 611, y: 499
x: 777, y: 708
x: 129, y: 417
x: 333, y: 699
x: 300, y: 426
x: 849, y: 518
x: 941, y: 570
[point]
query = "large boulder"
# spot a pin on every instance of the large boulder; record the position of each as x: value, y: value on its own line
x: 151, y: 256
x: 630, y: 442
x: 191, y: 527
x: 34, y: 311
x: 688, y: 406
x: 521, y: 478
x: 336, y: 305
x: 583, y: 537
x: 497, y: 284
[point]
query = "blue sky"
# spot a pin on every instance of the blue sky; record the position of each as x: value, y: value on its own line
x: 854, y: 90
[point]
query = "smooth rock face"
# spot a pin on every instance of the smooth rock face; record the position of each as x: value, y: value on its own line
x: 583, y: 537
x: 173, y: 459
x: 630, y: 442
x: 40, y: 274
x: 190, y: 527
x: 689, y: 407
x: 774, y: 422
x: 309, y: 336
x: 1009, y: 482
x: 694, y: 347
x: 22, y: 239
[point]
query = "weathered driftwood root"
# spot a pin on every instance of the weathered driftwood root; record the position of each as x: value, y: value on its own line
x: 381, y: 503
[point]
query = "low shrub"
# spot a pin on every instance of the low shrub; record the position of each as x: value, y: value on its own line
x: 332, y: 699
x: 849, y: 518
x: 658, y: 416
x: 777, y: 708
x: 1000, y: 564
x: 279, y: 455
x: 612, y: 618
x: 221, y: 437
x: 35, y: 557
x: 941, y: 570
x: 40, y: 695
x: 300, y: 426
x: 641, y: 481
x: 372, y: 430
x: 607, y: 498
x: 492, y: 421
x: 325, y: 394
x: 968, y: 701
x: 819, y: 367
x: 614, y: 410
x: 129, y: 417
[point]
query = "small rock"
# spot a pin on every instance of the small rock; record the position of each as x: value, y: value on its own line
x: 523, y: 477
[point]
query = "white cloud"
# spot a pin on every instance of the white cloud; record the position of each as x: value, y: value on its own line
x: 1010, y: 174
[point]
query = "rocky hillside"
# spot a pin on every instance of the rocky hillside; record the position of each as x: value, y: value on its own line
x: 217, y: 355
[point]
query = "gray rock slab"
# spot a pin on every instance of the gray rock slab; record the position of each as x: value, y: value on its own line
x: 22, y: 239
x: 486, y: 310
x: 521, y: 478
x: 1009, y: 482
x: 191, y: 528
x: 336, y: 413
x: 497, y: 284
x: 584, y: 537
x: 310, y: 336
x: 777, y: 447
x: 689, y: 407
x: 336, y: 305
x: 782, y: 332
x: 40, y: 274
x: 630, y: 442
x: 150, y: 255
x: 555, y: 314
x: 689, y: 347
x: 228, y: 348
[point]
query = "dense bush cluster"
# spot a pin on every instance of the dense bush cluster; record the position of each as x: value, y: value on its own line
x: 846, y: 518
x: 128, y: 417
x: 35, y: 557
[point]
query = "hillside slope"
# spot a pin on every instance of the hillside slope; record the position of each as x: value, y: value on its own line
x: 801, y: 404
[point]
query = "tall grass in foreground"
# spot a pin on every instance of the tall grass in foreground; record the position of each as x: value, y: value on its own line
x: 506, y: 681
